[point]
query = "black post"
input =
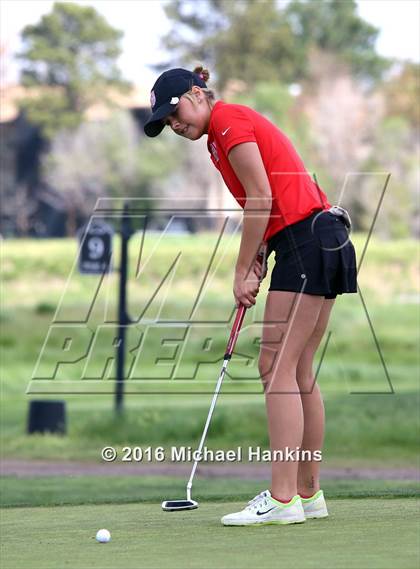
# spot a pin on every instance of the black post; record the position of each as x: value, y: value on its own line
x: 47, y: 416
x: 123, y: 319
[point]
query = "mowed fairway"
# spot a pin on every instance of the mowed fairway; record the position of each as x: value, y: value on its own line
x: 369, y: 533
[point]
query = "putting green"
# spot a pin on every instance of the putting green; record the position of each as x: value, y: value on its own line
x: 375, y: 533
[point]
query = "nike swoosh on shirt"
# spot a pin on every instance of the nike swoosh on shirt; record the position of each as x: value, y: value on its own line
x: 266, y: 512
x: 225, y: 131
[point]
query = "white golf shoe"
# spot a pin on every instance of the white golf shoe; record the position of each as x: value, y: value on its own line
x: 315, y: 506
x: 263, y: 509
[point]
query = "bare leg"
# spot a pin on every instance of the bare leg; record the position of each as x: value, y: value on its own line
x: 313, y: 406
x: 289, y: 321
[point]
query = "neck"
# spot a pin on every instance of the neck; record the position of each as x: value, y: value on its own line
x: 210, y: 105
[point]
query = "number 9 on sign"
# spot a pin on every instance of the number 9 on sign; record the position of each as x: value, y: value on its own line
x: 96, y: 247
x: 95, y: 255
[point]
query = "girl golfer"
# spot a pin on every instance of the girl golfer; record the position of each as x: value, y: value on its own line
x: 314, y: 261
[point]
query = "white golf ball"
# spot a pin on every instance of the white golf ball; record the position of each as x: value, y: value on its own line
x: 103, y: 536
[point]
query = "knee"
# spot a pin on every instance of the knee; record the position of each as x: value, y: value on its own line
x: 265, y: 365
x: 272, y: 364
x: 304, y: 370
x: 306, y: 383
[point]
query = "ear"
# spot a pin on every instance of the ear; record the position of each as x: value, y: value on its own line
x: 197, y: 93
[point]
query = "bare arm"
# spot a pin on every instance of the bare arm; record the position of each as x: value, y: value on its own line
x: 247, y: 163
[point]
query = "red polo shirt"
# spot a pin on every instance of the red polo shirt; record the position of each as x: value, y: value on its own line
x: 295, y: 194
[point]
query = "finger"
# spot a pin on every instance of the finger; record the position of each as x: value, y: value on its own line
x: 246, y: 300
x: 251, y: 299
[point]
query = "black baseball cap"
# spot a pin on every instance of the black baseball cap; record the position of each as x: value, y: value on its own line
x: 164, y: 97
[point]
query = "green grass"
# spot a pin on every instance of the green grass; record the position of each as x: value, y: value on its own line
x: 25, y: 258
x: 378, y: 530
x: 74, y: 490
x: 359, y: 427
x: 374, y: 533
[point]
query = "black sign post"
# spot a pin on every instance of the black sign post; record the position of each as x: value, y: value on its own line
x: 123, y: 318
x: 95, y: 258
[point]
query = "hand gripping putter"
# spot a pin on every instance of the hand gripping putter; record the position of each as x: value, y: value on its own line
x: 189, y: 504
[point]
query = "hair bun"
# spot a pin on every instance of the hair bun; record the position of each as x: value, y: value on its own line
x: 202, y: 72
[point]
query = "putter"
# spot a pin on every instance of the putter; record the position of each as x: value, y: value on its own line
x: 189, y: 503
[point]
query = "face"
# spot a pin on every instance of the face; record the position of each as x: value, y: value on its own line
x: 189, y: 119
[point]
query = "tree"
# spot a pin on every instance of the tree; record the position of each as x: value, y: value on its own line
x: 402, y: 94
x: 393, y: 152
x: 259, y: 45
x: 194, y: 24
x: 70, y: 56
x: 247, y: 39
x: 104, y: 158
x: 334, y: 26
x: 344, y: 116
x: 262, y: 40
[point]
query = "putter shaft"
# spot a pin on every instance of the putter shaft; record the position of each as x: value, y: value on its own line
x: 229, y: 350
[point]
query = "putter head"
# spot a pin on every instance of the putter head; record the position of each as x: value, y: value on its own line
x: 178, y: 505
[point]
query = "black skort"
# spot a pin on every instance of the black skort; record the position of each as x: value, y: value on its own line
x: 314, y: 256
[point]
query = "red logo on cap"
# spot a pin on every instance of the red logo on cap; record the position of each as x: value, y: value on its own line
x: 152, y: 98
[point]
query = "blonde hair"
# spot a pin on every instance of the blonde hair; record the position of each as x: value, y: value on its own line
x: 205, y: 76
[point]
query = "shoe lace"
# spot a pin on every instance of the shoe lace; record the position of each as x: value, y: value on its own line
x: 259, y: 500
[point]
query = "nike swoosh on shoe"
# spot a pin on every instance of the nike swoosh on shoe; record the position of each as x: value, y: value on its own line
x: 266, y: 512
